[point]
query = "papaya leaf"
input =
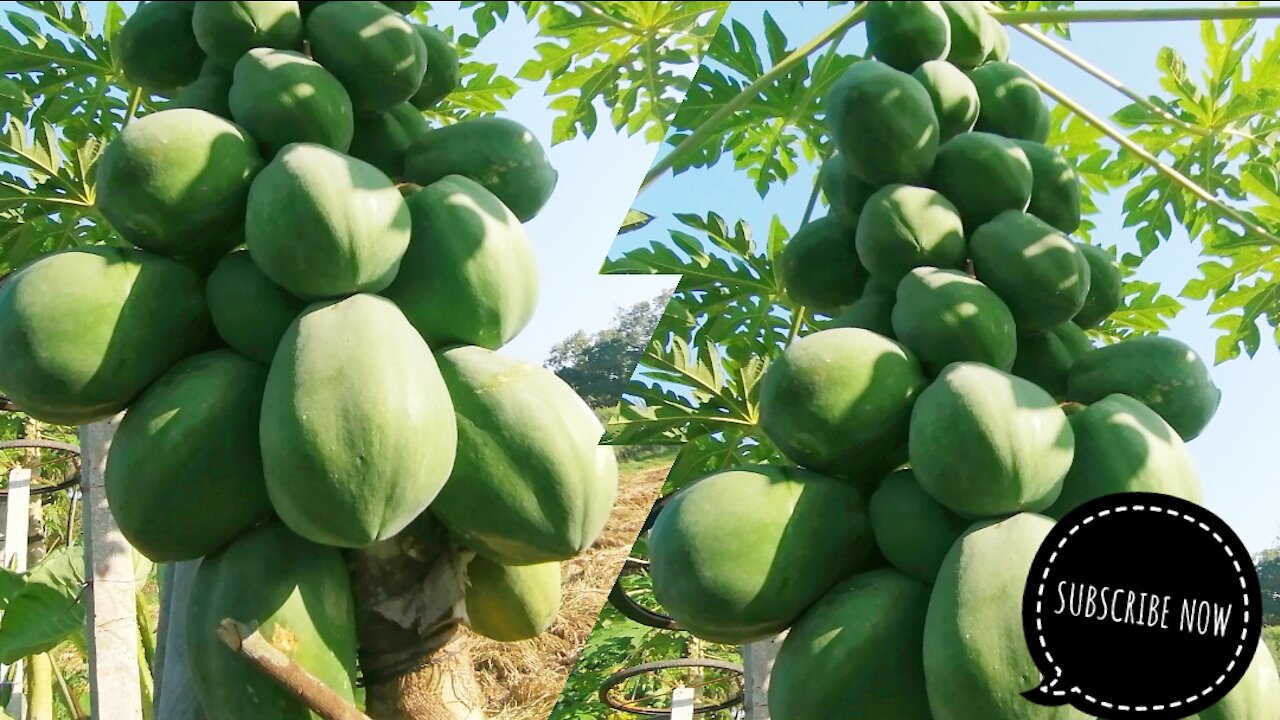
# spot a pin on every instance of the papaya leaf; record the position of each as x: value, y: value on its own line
x: 47, y: 609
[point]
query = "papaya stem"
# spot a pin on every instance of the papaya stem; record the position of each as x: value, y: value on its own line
x: 1013, y: 17
x: 796, y: 322
x: 813, y: 196
x: 135, y: 98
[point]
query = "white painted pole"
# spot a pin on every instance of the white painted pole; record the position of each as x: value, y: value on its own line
x: 16, y: 527
x: 757, y: 662
x: 682, y: 704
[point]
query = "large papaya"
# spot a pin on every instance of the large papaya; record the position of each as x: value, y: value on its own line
x: 297, y: 596
x: 873, y: 622
x: 1162, y: 373
x: 973, y: 33
x: 371, y: 48
x: 1123, y: 446
x: 227, y: 30
x: 531, y: 484
x: 157, y: 48
x: 1074, y: 339
x: 284, y: 97
x: 983, y: 175
x: 185, y: 476
x: 999, y: 42
x: 354, y: 222
x: 883, y: 122
x: 945, y: 316
x: 72, y: 325
x: 839, y: 401
x: 510, y: 603
x: 819, y: 266
x: 846, y: 194
x: 175, y: 182
x: 1055, y: 187
x: 985, y: 443
x: 739, y: 555
x: 1046, y: 360
x: 1257, y: 695
x: 209, y: 91
x: 1106, y: 287
x: 411, y: 121
x: 904, y: 227
x: 1012, y: 105
x: 500, y: 154
x: 469, y: 276
x: 976, y: 662
x: 955, y: 99
x: 1039, y: 272
x: 357, y: 431
x: 404, y: 7
x: 913, y: 531
x: 250, y: 312
x: 873, y: 311
x: 441, y: 77
x: 382, y: 139
x: 903, y: 35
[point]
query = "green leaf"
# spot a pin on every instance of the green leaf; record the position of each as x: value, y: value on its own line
x: 47, y: 609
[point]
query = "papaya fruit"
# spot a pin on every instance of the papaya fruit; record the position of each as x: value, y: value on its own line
x: 185, y: 476
x: 72, y: 323
x: 912, y: 530
x: 838, y: 401
x: 500, y: 154
x: 845, y: 193
x: 904, y: 227
x: 469, y: 254
x: 404, y: 7
x: 883, y: 122
x: 157, y: 48
x: 1123, y: 446
x: 1257, y: 695
x: 973, y: 33
x: 1074, y: 339
x: 209, y: 91
x: 873, y: 311
x: 985, y: 443
x: 1106, y: 287
x: 284, y: 97
x: 976, y: 662
x: 819, y: 267
x: 1012, y: 105
x: 371, y: 49
x: 1160, y: 372
x: 983, y: 175
x: 999, y: 42
x: 510, y: 603
x: 873, y: 622
x: 945, y: 316
x: 1046, y: 360
x: 903, y: 35
x: 357, y: 431
x: 381, y: 140
x: 250, y: 312
x: 955, y: 99
x: 531, y: 485
x: 228, y: 30
x: 1040, y: 273
x: 441, y: 77
x: 305, y: 7
x: 1055, y: 187
x: 355, y: 222
x: 739, y: 555
x: 176, y: 182
x: 411, y: 122
x: 297, y: 596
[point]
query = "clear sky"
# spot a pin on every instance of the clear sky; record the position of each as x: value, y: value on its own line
x: 1236, y: 454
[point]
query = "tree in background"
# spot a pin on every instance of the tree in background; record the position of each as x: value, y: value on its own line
x: 599, y: 365
x: 1268, y: 564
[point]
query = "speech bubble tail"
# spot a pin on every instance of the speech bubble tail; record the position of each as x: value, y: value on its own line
x: 1044, y: 695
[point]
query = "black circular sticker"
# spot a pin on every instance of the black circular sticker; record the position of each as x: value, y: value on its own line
x: 1140, y: 604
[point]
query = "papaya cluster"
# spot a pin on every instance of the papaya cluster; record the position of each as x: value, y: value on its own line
x: 303, y: 321
x: 956, y: 408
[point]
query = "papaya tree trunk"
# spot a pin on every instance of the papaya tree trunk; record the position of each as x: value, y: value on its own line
x: 757, y: 663
x: 40, y: 691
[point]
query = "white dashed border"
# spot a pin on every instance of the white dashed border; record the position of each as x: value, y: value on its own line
x: 1057, y: 671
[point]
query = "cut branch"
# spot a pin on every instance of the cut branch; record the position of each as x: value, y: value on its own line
x: 1012, y: 17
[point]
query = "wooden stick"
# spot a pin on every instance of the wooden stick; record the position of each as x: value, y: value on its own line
x: 279, y: 667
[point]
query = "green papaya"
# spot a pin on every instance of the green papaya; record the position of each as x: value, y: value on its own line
x: 1055, y: 187
x: 845, y: 193
x: 175, y: 182
x: 913, y: 530
x: 357, y: 430
x: 284, y: 97
x: 1074, y: 339
x: 838, y: 401
x: 976, y: 662
x: 904, y: 227
x: 209, y: 92
x: 883, y: 122
x: 945, y: 316
x: 985, y: 443
x: 411, y: 122
x: 999, y: 42
x: 973, y: 33
x: 955, y: 99
x: 404, y: 7
x: 297, y: 596
x: 250, y: 312
x: 872, y: 625
x: 72, y: 324
x: 510, y: 603
x: 531, y: 485
x: 185, y: 476
x: 1046, y: 360
x: 382, y: 140
x: 903, y: 35
x: 983, y: 175
x: 1040, y: 273
x: 819, y: 267
x: 355, y: 222
x: 1123, y: 446
x: 228, y: 30
x: 1106, y: 287
x: 371, y: 48
x: 467, y: 254
x: 1257, y: 695
x: 873, y: 311
x: 1012, y: 105
x: 739, y: 555
x: 500, y: 154
x: 157, y: 48
x: 307, y: 6
x: 441, y: 77
x: 1160, y: 372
